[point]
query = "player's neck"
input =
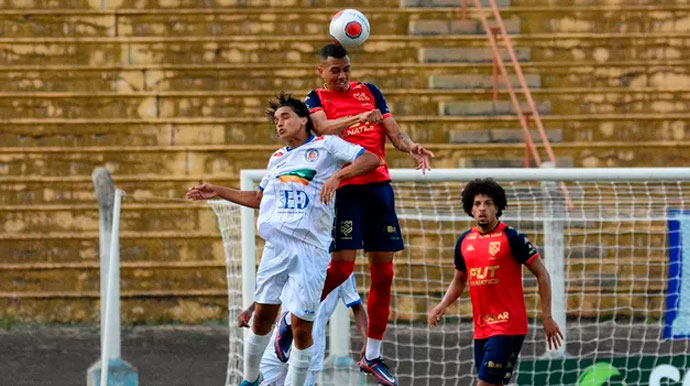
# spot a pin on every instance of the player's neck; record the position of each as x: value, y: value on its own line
x: 488, y: 228
x: 293, y: 143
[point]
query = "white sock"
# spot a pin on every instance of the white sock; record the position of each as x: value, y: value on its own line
x: 254, y: 348
x: 373, y: 349
x: 299, y: 365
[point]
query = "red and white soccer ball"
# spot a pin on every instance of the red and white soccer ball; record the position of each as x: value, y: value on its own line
x: 349, y: 27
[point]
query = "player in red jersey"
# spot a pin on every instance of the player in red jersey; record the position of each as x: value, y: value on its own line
x: 365, y: 209
x: 490, y: 256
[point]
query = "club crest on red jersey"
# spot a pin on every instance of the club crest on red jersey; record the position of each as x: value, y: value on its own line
x: 494, y: 247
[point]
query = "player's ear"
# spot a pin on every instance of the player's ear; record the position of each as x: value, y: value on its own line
x: 321, y: 70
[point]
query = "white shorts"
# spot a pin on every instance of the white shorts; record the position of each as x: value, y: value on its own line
x: 299, y: 268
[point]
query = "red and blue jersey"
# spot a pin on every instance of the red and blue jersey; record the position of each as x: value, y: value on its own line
x: 359, y: 98
x: 493, y: 263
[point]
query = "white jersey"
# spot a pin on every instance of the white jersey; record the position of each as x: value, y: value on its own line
x: 292, y: 185
x: 274, y: 369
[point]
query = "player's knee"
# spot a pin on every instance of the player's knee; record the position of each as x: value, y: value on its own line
x: 382, y: 274
x: 264, y: 317
x: 302, y: 334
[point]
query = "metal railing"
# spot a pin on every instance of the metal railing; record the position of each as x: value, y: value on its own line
x: 524, y: 116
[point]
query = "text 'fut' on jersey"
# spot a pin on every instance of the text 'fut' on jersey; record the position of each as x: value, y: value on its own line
x: 292, y: 186
x: 493, y: 263
x: 359, y: 98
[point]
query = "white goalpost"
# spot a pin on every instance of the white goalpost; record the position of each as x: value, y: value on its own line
x: 613, y: 241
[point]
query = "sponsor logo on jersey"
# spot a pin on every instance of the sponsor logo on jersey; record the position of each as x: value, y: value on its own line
x: 494, y: 247
x: 484, y: 275
x: 311, y: 155
x: 362, y: 96
x: 302, y: 176
x: 469, y: 248
x: 495, y: 318
x: 294, y: 199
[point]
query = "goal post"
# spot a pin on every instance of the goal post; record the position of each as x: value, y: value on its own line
x: 604, y: 236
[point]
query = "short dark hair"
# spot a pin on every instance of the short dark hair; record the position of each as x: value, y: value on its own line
x: 333, y: 50
x: 285, y: 99
x: 488, y: 187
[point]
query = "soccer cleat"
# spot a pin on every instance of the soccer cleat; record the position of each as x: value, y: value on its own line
x: 283, y: 341
x: 379, y: 370
x: 255, y: 383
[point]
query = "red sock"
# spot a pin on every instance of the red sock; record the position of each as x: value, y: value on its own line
x: 337, y: 273
x: 379, y: 300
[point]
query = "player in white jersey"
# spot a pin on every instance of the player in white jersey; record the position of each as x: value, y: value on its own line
x: 274, y: 370
x: 295, y: 201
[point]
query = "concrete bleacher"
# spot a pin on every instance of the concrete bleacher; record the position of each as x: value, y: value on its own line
x: 167, y: 92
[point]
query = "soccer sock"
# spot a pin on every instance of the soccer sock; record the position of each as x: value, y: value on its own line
x: 373, y: 348
x: 254, y: 348
x: 337, y: 273
x: 379, y: 300
x: 299, y: 365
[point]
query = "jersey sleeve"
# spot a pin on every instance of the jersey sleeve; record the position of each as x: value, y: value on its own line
x: 348, y: 292
x: 459, y: 261
x: 520, y: 246
x: 266, y: 179
x: 342, y: 150
x: 313, y: 102
x: 380, y: 100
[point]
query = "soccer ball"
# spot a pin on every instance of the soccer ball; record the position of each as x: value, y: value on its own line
x: 349, y: 27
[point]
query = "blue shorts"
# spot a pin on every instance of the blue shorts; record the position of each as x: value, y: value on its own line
x: 365, y: 218
x: 496, y: 357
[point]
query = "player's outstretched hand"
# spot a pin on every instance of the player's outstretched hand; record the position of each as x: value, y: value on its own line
x: 435, y: 315
x: 422, y: 156
x: 554, y: 337
x: 329, y: 188
x: 202, y: 192
x: 373, y: 116
x: 244, y: 317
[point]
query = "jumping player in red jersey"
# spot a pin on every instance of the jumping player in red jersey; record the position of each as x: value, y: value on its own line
x: 365, y: 209
x: 490, y: 256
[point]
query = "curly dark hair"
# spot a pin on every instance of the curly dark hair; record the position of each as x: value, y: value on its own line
x: 488, y: 187
x: 285, y: 99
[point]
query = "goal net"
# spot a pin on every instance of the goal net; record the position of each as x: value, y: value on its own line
x: 612, y: 239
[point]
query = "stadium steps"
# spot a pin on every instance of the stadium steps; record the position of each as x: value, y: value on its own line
x: 301, y: 76
x: 211, y: 104
x: 224, y: 159
x: 302, y: 49
x: 385, y: 19
x: 77, y: 190
x: 426, y: 129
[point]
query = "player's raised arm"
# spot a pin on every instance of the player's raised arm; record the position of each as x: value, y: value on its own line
x: 403, y: 142
x: 206, y: 191
x: 553, y: 333
x: 455, y: 289
x: 325, y: 126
